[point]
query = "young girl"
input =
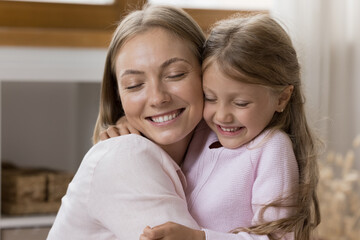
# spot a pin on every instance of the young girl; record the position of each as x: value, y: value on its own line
x: 256, y: 174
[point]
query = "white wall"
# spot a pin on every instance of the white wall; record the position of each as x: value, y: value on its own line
x: 49, y: 104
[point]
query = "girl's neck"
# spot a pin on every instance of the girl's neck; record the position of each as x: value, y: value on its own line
x: 178, y: 150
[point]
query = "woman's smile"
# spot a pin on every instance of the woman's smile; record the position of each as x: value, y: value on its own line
x: 165, y: 118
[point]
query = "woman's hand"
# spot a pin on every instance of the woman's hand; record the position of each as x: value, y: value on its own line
x: 122, y: 127
x: 172, y: 231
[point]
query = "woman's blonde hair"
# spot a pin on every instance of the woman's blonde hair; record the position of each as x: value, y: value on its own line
x: 172, y: 19
x: 255, y: 49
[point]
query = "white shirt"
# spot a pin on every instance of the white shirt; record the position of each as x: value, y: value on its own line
x: 122, y: 185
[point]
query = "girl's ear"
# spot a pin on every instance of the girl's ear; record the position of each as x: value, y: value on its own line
x: 284, y: 98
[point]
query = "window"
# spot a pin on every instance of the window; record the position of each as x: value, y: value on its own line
x: 24, y: 23
x: 219, y: 4
x: 86, y: 24
x: 91, y: 2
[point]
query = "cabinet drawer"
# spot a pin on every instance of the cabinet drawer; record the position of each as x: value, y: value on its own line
x: 25, y: 233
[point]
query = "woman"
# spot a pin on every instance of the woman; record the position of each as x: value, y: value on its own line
x: 153, y: 75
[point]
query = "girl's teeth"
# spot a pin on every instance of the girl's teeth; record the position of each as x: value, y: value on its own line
x: 230, y: 129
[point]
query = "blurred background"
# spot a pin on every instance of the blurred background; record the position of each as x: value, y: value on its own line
x: 52, y: 55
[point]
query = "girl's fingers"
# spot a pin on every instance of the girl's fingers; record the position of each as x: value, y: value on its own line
x: 123, y: 130
x: 133, y: 130
x: 143, y: 237
x: 125, y: 127
x: 154, y: 233
x: 104, y: 135
x: 113, y: 131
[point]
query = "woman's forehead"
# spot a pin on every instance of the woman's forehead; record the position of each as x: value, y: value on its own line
x: 154, y: 46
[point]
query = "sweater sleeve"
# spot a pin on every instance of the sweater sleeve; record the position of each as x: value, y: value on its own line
x: 135, y: 185
x: 276, y: 176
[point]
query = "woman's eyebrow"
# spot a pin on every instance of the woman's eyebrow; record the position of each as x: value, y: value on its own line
x: 163, y: 65
x: 172, y: 60
x: 131, y: 71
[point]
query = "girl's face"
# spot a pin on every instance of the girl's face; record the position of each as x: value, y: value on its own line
x: 237, y: 112
x: 159, y: 80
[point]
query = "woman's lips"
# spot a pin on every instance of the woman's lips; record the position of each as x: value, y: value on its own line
x: 166, y: 117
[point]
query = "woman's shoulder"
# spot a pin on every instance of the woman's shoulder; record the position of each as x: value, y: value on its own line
x: 122, y: 150
x: 130, y: 143
x: 123, y: 155
x: 126, y: 140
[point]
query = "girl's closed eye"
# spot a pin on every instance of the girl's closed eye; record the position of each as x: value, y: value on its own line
x: 242, y: 104
x: 209, y: 98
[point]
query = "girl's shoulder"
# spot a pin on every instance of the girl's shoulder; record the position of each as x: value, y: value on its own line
x: 272, y: 146
x: 271, y: 138
x: 272, y: 151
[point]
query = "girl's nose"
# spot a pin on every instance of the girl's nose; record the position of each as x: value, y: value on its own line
x: 223, y: 115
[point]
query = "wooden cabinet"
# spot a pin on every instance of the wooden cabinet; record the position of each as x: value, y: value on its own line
x: 49, y: 104
x: 25, y: 233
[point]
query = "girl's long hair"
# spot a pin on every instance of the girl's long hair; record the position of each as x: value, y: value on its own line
x: 256, y: 49
x: 172, y: 19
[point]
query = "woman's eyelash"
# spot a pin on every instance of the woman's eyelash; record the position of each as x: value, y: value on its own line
x: 134, y: 86
x: 176, y: 75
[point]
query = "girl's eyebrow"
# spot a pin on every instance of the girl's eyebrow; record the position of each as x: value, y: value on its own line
x: 207, y: 89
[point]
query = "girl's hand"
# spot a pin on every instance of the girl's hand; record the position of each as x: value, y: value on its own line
x: 172, y: 231
x: 122, y: 127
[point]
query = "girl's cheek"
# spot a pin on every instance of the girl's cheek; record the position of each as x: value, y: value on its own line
x: 208, y: 111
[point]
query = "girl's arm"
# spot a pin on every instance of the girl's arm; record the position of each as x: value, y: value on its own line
x: 174, y: 231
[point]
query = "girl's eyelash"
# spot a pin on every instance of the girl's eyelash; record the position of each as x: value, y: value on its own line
x: 209, y: 99
x: 242, y: 104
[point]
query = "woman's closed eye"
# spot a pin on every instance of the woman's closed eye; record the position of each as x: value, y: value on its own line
x: 176, y: 76
x: 134, y: 86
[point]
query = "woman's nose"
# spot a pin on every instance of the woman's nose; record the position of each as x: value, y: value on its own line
x: 159, y: 95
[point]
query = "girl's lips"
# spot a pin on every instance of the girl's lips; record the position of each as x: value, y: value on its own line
x: 166, y: 117
x: 229, y: 131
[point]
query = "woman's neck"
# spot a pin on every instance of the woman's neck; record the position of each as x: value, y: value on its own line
x: 178, y: 150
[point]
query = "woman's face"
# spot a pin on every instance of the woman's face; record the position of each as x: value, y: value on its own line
x: 159, y: 80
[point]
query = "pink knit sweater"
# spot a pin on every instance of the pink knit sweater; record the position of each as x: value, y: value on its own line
x: 227, y: 187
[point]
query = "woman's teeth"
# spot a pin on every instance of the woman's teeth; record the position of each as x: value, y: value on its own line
x: 165, y: 118
x: 230, y: 129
